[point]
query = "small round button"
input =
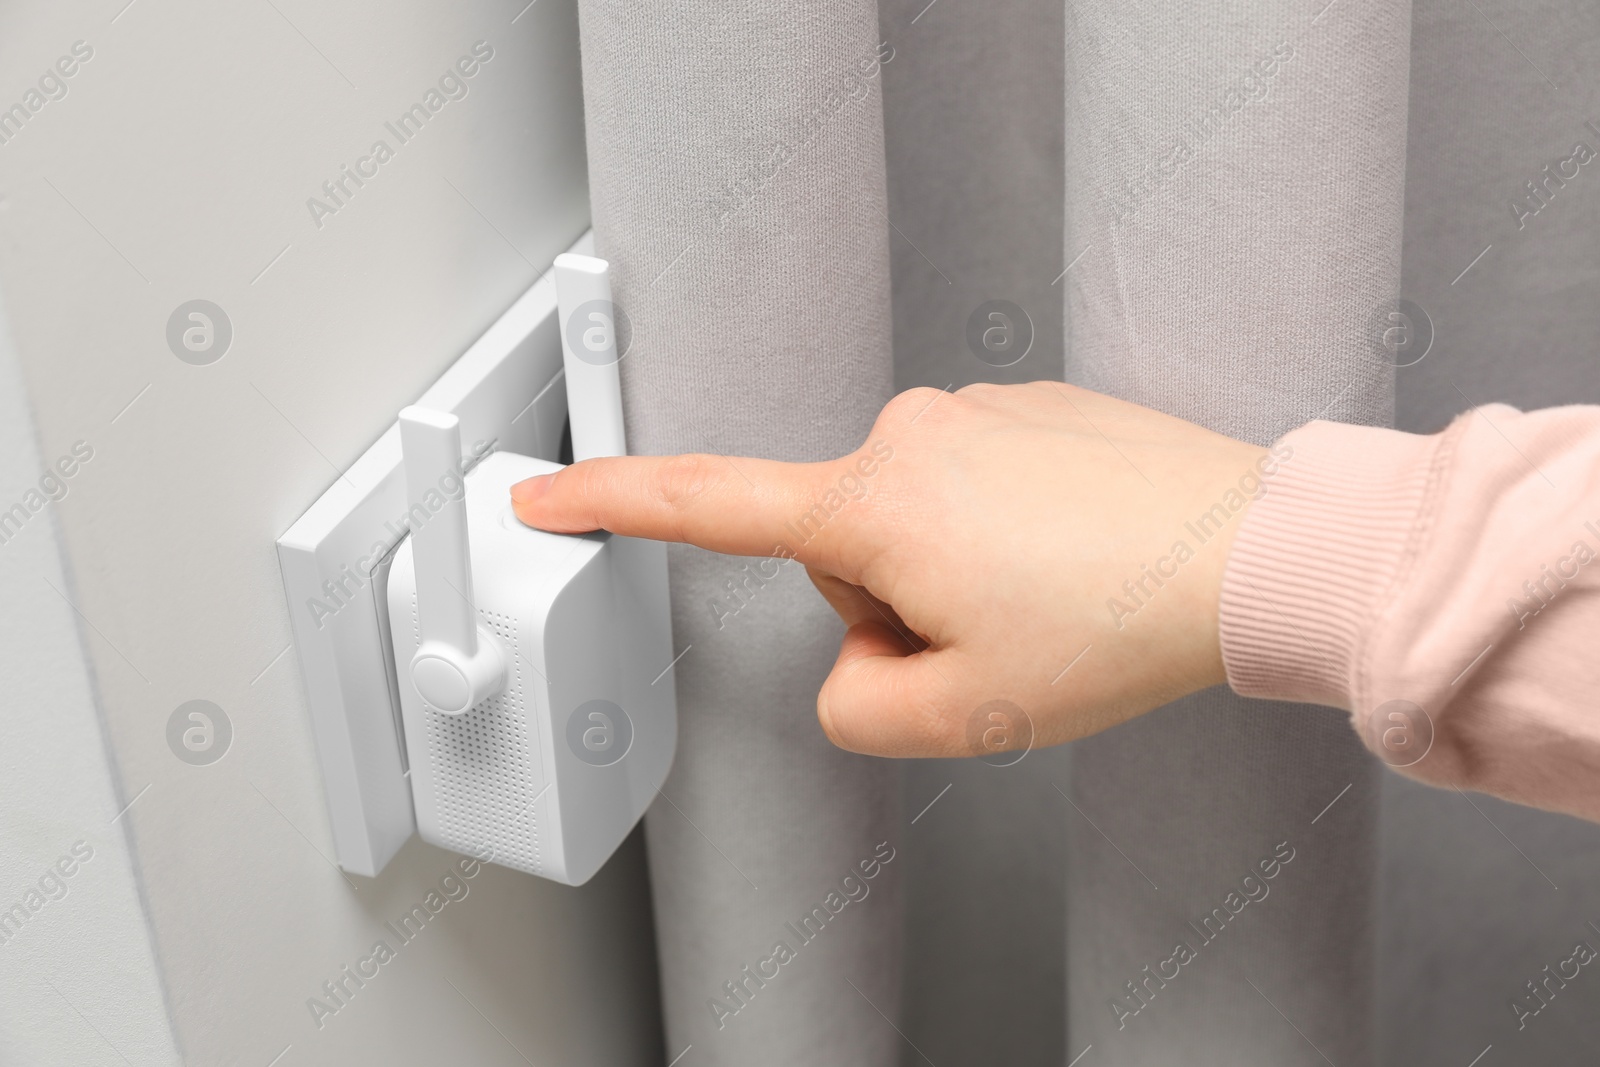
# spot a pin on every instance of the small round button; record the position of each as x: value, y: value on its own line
x: 509, y: 520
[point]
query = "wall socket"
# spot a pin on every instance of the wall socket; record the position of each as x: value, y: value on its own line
x: 508, y: 393
x: 532, y: 704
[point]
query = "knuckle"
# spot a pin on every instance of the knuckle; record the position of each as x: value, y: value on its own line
x: 915, y: 411
x: 577, y: 491
x: 581, y: 496
x: 905, y: 407
x: 602, y: 478
x: 683, y: 480
x: 587, y: 479
x: 995, y: 398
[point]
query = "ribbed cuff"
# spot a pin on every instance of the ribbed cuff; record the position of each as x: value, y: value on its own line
x: 1317, y: 557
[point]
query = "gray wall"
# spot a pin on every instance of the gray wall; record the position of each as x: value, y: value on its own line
x: 178, y: 166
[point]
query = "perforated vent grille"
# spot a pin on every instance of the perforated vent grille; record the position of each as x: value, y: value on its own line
x: 486, y: 766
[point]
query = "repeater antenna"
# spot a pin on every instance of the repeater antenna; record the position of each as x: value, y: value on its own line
x: 458, y: 663
x: 589, y: 355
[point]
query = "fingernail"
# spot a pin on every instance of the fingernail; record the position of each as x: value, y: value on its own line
x: 531, y: 490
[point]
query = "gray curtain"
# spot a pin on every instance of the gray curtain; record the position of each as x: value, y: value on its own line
x: 1238, y: 177
x: 1199, y: 207
x: 736, y: 161
x: 973, y: 131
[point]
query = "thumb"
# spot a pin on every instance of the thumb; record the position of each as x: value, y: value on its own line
x: 881, y: 701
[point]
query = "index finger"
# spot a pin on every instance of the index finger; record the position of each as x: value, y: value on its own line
x: 743, y: 507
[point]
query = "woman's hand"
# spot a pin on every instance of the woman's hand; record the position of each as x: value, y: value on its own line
x: 1037, y: 544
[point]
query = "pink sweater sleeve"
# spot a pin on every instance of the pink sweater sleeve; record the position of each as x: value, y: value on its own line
x: 1443, y: 589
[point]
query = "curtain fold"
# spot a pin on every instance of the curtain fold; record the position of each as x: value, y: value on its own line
x: 1235, y: 182
x: 973, y: 131
x: 737, y: 178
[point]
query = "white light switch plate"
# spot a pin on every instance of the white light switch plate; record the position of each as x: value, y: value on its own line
x: 508, y: 392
